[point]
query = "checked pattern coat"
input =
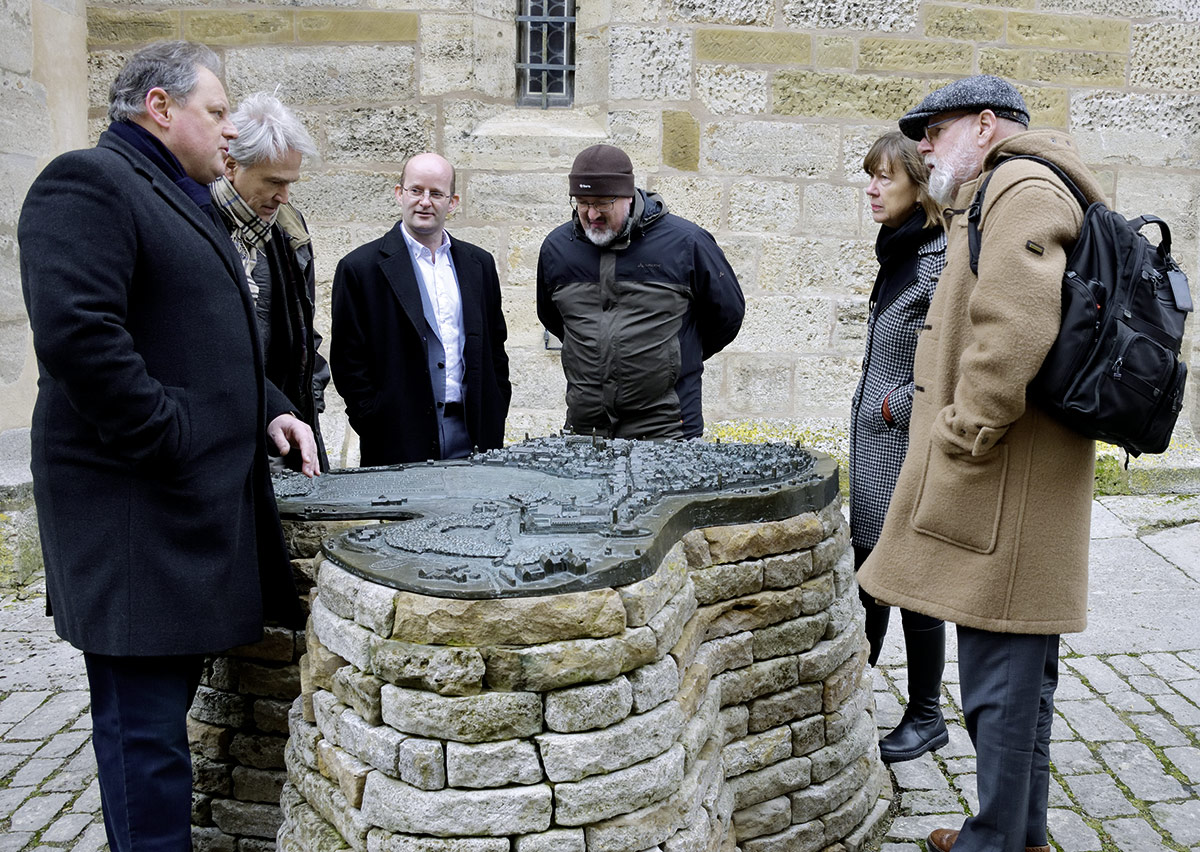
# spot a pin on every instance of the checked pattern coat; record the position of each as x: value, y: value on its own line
x: 876, y: 448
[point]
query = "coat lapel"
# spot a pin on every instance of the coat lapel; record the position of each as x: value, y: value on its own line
x: 397, y: 268
x: 470, y: 290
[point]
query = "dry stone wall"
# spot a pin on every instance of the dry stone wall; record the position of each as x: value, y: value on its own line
x: 749, y: 116
x: 721, y: 703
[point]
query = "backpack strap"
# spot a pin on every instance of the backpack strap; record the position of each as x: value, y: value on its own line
x: 975, y: 211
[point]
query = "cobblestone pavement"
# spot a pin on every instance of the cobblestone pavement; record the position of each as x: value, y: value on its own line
x: 1126, y: 751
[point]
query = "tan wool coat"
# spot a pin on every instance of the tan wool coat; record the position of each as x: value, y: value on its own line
x: 990, y: 521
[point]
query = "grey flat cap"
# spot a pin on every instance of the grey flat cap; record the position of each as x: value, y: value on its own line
x: 983, y: 91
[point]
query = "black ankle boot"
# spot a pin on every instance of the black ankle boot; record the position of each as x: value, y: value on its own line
x: 922, y: 727
x: 876, y: 624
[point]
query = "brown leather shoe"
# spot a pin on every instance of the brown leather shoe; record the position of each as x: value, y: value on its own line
x: 941, y: 839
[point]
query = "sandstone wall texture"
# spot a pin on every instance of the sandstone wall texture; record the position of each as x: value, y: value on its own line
x: 722, y: 702
x: 749, y: 116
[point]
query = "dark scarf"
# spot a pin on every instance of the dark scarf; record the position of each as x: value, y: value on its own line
x: 896, y: 250
x: 156, y: 152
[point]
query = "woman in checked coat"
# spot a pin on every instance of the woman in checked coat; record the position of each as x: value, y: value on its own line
x: 911, y: 248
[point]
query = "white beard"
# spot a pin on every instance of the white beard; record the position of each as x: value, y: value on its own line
x: 951, y: 171
x: 600, y: 236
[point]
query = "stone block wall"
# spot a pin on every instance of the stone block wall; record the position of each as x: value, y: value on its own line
x: 721, y: 703
x: 749, y: 116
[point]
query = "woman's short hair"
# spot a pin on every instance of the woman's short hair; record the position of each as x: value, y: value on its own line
x: 895, y: 150
x: 173, y: 66
x: 267, y: 130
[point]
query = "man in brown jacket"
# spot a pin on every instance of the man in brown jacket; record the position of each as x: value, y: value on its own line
x: 990, y: 520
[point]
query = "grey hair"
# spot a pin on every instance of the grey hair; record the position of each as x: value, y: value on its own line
x: 267, y: 130
x: 173, y: 66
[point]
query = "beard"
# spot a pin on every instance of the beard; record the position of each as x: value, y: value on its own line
x: 599, y: 236
x: 950, y: 171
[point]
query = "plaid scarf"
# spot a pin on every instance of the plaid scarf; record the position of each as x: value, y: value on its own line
x: 250, y: 231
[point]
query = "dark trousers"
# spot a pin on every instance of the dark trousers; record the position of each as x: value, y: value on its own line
x: 455, y: 439
x: 139, y: 733
x: 1008, y: 682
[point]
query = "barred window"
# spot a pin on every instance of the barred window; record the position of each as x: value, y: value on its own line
x: 546, y: 53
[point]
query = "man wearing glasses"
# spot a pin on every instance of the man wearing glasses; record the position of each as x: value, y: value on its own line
x: 417, y: 338
x: 640, y: 298
x: 988, y: 526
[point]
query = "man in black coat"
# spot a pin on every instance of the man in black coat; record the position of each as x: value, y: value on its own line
x: 151, y: 427
x: 417, y: 337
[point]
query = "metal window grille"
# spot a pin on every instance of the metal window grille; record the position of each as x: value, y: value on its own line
x: 546, y: 53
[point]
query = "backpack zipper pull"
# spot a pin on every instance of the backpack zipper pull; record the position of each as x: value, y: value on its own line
x: 1116, y: 367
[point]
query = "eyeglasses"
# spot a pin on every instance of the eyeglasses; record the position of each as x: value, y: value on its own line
x: 415, y: 193
x: 598, y: 206
x: 932, y: 131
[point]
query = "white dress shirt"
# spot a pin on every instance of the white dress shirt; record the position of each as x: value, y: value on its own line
x: 441, y: 287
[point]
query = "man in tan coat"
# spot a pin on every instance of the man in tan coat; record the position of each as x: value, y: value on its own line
x: 989, y: 524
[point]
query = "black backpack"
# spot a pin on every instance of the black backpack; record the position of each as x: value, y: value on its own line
x: 1114, y: 372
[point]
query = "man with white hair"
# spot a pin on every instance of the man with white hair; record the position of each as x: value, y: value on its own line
x: 272, y: 240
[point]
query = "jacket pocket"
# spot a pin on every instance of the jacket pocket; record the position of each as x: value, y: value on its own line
x: 960, y: 498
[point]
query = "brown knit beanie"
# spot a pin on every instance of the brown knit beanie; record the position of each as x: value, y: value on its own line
x: 602, y: 171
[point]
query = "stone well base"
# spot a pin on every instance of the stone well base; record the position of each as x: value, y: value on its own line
x: 722, y: 703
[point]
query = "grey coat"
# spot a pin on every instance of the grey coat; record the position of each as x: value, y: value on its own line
x: 877, y: 449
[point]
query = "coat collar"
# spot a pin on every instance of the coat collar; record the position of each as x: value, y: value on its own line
x: 396, y: 264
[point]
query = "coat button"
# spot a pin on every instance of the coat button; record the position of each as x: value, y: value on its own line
x: 441, y: 365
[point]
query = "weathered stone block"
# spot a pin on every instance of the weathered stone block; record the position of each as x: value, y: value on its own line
x: 278, y: 645
x: 572, y: 757
x: 833, y: 51
x: 602, y: 796
x: 360, y: 691
x: 655, y: 64
x: 212, y: 840
x: 356, y: 25
x: 843, y: 682
x: 233, y: 28
x: 694, y: 688
x: 282, y: 682
x: 815, y: 801
x: 769, y: 149
x: 422, y: 619
x: 212, y: 741
x: 827, y: 655
x: 271, y: 715
x: 370, y: 604
x: 130, y: 26
x: 651, y: 685
x: 695, y: 545
x: 808, y: 735
x: 702, y: 729
x: 964, y: 24
x: 787, y: 570
x: 421, y: 763
x: 745, y: 12
x: 219, y: 708
x: 827, y: 553
x: 721, y: 582
x: 735, y: 722
x: 246, y: 818
x: 885, y: 16
x: 772, y: 48
x: 794, y: 636
x: 396, y: 806
x: 595, y: 705
x: 832, y: 758
x: 441, y: 669
x: 1166, y: 56
x: 342, y: 636
x: 642, y: 600
x: 470, y: 719
x: 841, y: 720
x: 772, y: 710
x: 376, y: 133
x: 752, y: 612
x: 555, y: 840
x: 736, y: 542
x: 757, y: 751
x: 773, y: 781
x: 805, y: 837
x: 1055, y: 66
x: 324, y: 74
x: 1081, y: 32
x: 344, y: 769
x: 842, y: 821
x: 680, y: 140
x: 728, y: 652
x: 496, y: 764
x: 258, y: 785
x: 447, y: 55
x: 833, y: 95
x: 903, y: 54
x: 668, y: 623
x: 327, y: 800
x: 262, y: 751
x: 817, y: 594
x: 766, y: 817
x: 770, y: 676
x: 212, y: 777
x: 1141, y: 129
x: 540, y: 668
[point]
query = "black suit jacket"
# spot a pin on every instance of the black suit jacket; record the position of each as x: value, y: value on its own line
x: 379, y: 358
x: 150, y: 472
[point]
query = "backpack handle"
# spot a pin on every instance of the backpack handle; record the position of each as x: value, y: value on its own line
x: 1164, y: 244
